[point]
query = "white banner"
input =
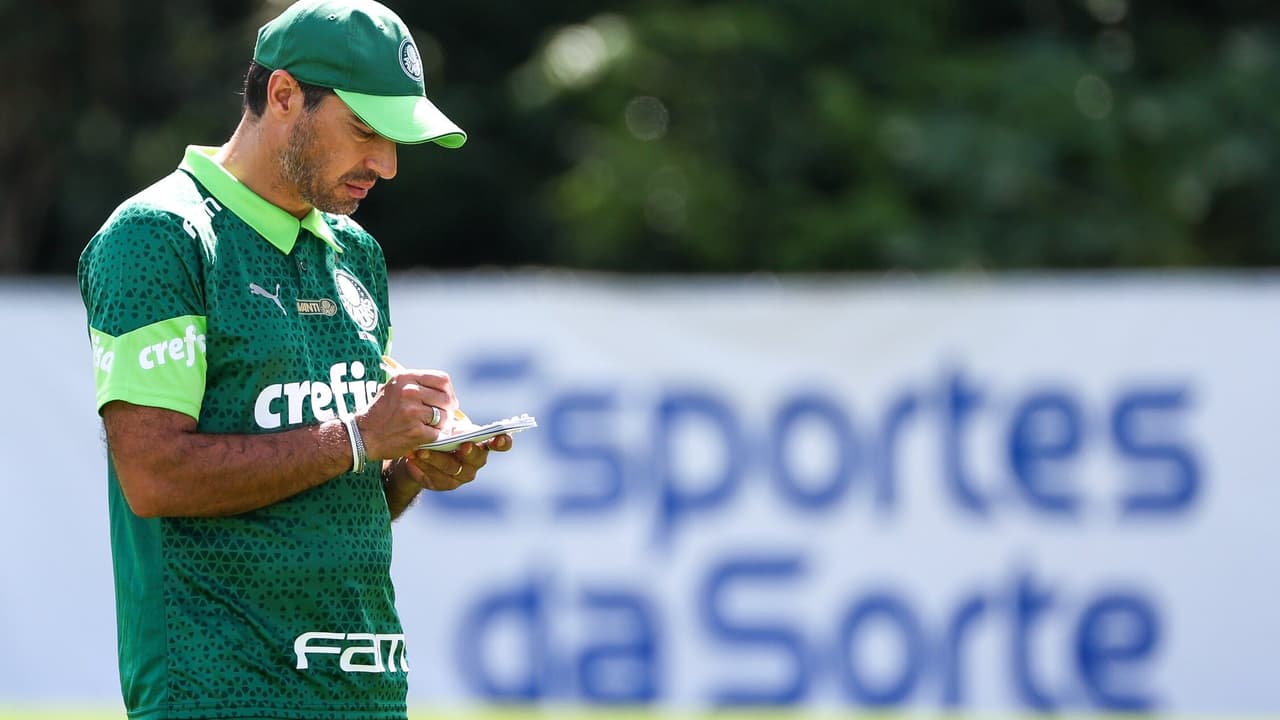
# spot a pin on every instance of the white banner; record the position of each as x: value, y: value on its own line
x: 1040, y: 493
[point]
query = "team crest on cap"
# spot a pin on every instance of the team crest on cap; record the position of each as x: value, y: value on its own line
x: 410, y: 60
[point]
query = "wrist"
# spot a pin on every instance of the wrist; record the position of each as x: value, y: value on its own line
x: 397, y: 479
x: 359, y: 458
x: 393, y: 471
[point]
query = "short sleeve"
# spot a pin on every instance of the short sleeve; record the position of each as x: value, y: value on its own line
x: 140, y: 279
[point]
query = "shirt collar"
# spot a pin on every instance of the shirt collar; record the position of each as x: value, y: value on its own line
x: 277, y: 226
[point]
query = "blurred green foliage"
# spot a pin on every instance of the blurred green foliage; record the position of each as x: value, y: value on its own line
x: 662, y: 136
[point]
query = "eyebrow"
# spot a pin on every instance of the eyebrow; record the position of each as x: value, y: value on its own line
x: 360, y: 124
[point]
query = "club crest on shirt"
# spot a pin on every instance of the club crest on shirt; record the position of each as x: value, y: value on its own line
x: 356, y: 300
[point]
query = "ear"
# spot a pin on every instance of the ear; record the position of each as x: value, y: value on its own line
x: 284, y: 95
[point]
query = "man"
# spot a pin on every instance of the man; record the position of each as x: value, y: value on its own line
x: 238, y: 321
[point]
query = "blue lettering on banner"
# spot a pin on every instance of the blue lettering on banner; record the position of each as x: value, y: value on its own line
x: 513, y: 646
x: 839, y: 431
x: 619, y: 662
x: 1152, y: 449
x: 1045, y: 435
x: 522, y: 612
x: 1030, y: 604
x: 1117, y: 632
x: 1111, y: 640
x: 906, y: 406
x: 963, y: 623
x: 577, y: 426
x: 900, y: 685
x: 775, y: 636
x: 679, y: 498
x: 619, y: 670
x: 960, y: 402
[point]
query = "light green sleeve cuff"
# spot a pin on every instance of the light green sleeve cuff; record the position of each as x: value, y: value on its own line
x: 158, y: 365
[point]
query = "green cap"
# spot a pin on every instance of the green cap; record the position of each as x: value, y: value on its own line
x: 363, y: 51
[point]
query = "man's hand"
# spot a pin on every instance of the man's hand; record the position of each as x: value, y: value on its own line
x: 398, y: 420
x: 435, y: 470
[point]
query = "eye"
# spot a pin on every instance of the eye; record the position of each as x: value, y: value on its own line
x: 363, y: 133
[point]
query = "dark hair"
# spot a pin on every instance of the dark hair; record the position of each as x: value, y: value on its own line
x: 255, y: 91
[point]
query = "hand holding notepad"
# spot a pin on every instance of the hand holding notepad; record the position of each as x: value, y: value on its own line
x: 461, y: 429
x: 480, y: 433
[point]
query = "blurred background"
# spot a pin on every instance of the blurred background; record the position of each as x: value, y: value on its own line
x: 901, y: 357
x: 661, y: 136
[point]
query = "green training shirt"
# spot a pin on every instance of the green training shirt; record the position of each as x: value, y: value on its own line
x: 205, y: 299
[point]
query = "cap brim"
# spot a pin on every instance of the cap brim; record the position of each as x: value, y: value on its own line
x: 404, y: 118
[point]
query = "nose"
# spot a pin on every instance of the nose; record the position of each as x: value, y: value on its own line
x: 382, y: 158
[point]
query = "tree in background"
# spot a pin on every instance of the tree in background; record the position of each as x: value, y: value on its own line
x: 657, y: 136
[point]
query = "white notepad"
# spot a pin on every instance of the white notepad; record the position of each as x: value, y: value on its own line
x: 483, y: 432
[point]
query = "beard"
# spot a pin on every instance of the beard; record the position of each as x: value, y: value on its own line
x: 302, y: 166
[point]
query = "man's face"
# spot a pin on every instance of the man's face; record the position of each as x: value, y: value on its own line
x: 333, y: 159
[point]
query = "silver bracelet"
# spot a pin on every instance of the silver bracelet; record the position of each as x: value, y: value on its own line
x: 358, y: 457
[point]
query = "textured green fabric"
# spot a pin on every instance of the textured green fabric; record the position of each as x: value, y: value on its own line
x: 212, y: 612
